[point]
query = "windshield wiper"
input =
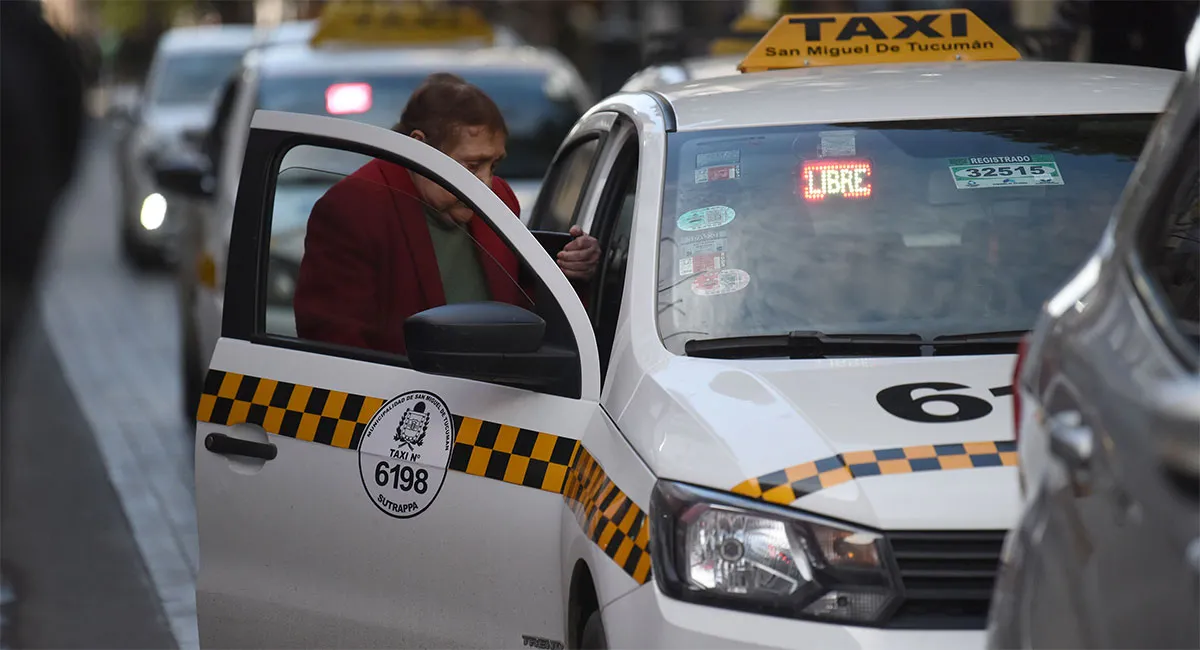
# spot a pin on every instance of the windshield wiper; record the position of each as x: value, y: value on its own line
x: 979, y: 343
x: 806, y: 345
x: 818, y: 345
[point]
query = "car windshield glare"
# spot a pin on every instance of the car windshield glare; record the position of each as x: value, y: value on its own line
x: 191, y: 78
x: 925, y: 227
x: 538, y: 114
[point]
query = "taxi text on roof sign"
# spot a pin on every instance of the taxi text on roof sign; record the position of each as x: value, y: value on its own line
x: 392, y: 23
x: 806, y: 40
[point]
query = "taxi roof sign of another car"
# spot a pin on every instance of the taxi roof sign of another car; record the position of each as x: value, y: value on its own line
x: 813, y: 40
x: 388, y: 23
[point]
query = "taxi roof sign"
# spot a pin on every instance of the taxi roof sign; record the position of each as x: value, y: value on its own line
x: 393, y: 23
x: 811, y: 40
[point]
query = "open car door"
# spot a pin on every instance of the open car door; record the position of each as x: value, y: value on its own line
x: 355, y: 496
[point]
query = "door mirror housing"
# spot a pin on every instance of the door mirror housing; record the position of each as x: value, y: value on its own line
x: 183, y: 174
x: 492, y: 342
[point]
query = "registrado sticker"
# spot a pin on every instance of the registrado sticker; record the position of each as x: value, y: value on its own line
x: 713, y: 216
x: 405, y: 453
x: 716, y: 283
x: 730, y: 157
x: 703, y: 242
x: 1004, y: 171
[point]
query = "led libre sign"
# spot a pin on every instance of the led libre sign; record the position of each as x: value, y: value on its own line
x: 345, y: 99
x: 849, y: 179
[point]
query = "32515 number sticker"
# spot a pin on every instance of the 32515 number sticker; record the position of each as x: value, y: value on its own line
x: 405, y: 453
x: 1004, y: 171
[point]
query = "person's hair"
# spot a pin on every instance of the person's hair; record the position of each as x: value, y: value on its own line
x: 445, y: 103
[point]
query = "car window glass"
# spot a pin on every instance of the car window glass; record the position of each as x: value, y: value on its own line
x: 933, y: 227
x: 358, y: 244
x: 192, y: 77
x: 1172, y: 253
x: 564, y: 188
x: 616, y: 223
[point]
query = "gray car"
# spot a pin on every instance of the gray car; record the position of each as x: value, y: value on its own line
x: 1107, y: 407
x: 175, y: 106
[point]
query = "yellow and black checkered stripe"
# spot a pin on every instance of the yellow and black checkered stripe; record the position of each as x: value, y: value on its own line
x: 481, y: 448
x: 293, y: 410
x: 609, y: 517
x: 518, y: 456
x: 786, y: 485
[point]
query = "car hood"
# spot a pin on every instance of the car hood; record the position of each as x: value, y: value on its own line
x: 846, y: 438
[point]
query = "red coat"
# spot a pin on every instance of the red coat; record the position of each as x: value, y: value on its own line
x: 369, y: 262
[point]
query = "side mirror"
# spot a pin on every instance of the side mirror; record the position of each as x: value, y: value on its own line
x: 491, y: 342
x: 184, y: 175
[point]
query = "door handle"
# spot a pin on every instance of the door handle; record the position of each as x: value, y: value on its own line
x: 1071, y: 441
x: 219, y: 443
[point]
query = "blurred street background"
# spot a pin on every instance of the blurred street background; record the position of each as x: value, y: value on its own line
x: 99, y: 544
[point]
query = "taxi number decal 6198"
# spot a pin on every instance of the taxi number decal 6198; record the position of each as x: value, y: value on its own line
x: 901, y: 402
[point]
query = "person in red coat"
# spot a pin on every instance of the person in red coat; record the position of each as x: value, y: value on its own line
x: 385, y: 243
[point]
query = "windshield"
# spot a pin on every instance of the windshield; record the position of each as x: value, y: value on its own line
x: 538, y: 117
x: 936, y: 228
x: 192, y: 77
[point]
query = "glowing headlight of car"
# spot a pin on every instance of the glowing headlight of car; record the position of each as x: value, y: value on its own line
x: 154, y: 211
x: 716, y: 549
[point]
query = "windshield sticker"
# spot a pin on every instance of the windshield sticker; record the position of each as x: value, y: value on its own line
x: 705, y: 242
x: 731, y: 157
x: 713, y: 216
x: 1004, y: 171
x: 718, y: 173
x: 701, y: 263
x: 405, y: 453
x: 837, y: 143
x: 716, y: 283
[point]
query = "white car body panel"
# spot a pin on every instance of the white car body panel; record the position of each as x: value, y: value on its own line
x: 646, y: 618
x: 718, y: 423
x: 870, y: 93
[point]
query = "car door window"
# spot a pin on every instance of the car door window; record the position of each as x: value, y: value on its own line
x: 1170, y: 251
x: 613, y: 226
x: 564, y: 188
x: 358, y: 244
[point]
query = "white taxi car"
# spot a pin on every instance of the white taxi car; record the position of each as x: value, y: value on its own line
x: 782, y: 419
x: 337, y: 67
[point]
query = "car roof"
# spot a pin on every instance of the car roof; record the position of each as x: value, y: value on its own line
x: 300, y: 58
x: 865, y: 93
x: 198, y: 38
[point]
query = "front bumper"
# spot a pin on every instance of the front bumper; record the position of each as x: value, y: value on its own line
x: 645, y: 618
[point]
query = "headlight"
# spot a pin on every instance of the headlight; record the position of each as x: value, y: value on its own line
x: 154, y: 211
x: 716, y: 549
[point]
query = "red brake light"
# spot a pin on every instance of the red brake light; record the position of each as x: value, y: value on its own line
x: 344, y: 99
x: 1022, y: 350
